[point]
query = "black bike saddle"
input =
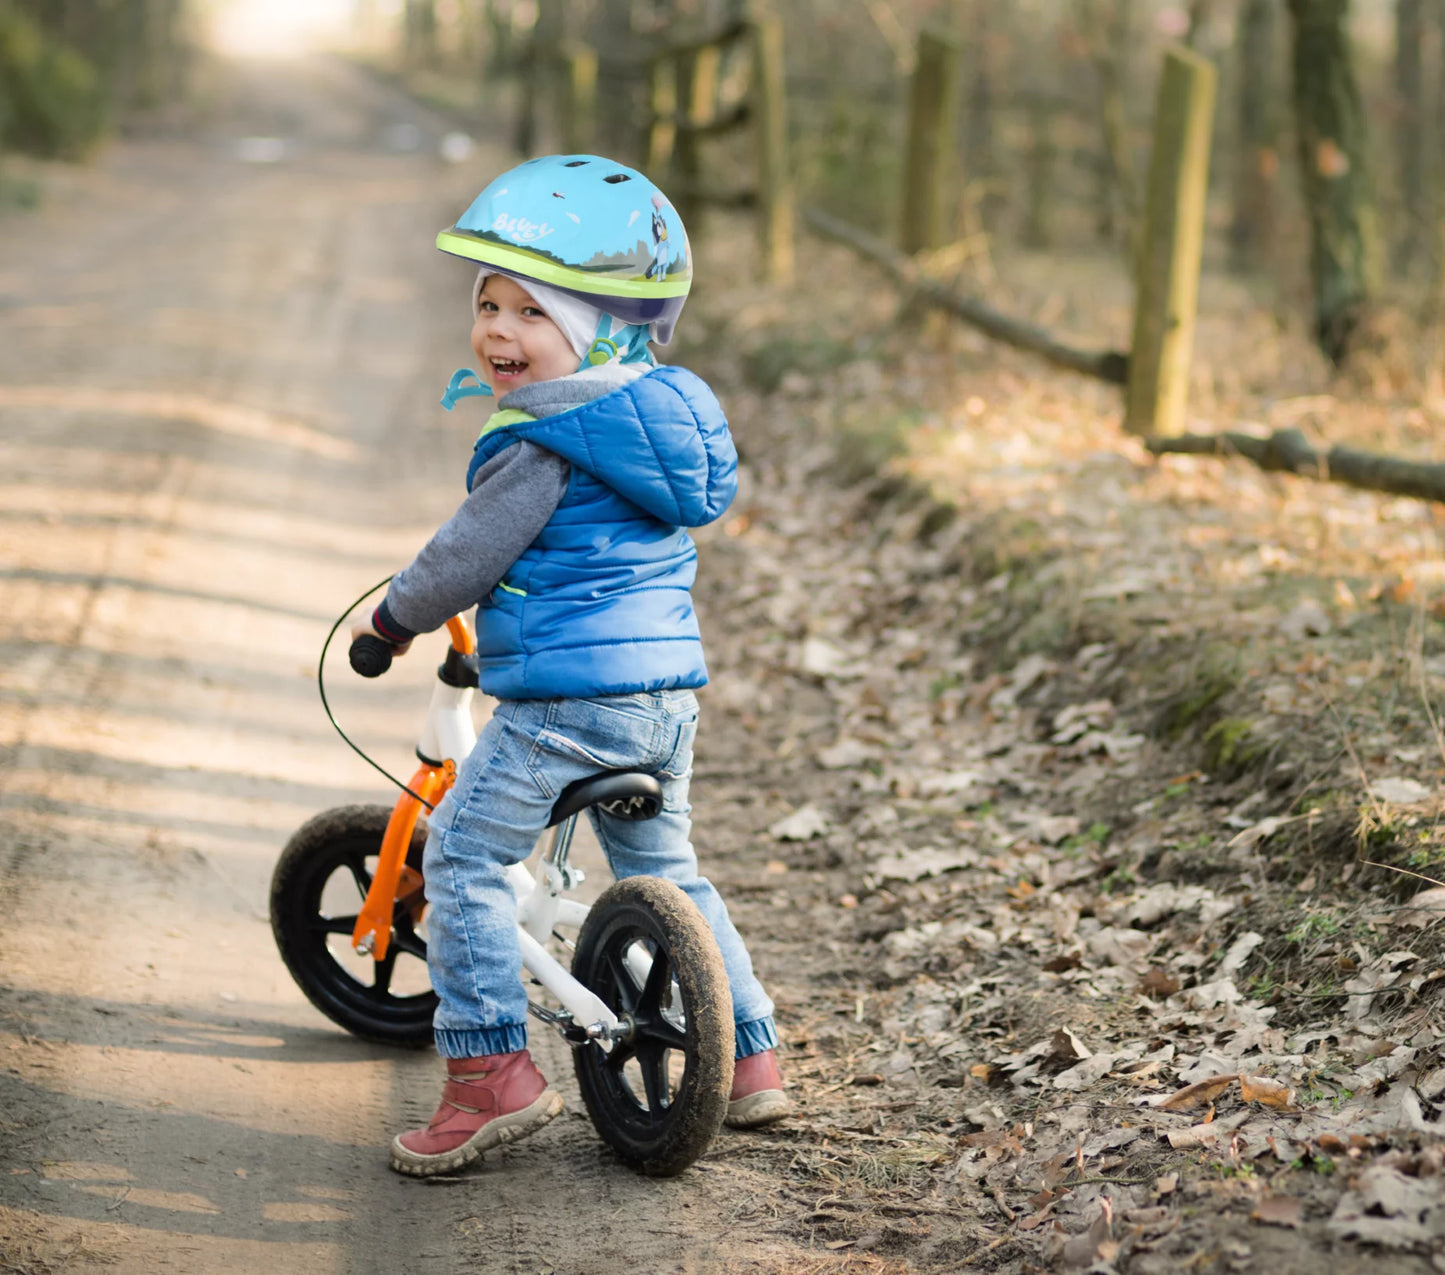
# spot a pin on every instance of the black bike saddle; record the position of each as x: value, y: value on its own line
x: 623, y: 794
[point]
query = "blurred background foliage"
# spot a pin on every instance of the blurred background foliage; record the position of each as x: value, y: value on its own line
x: 72, y: 70
x: 1329, y: 134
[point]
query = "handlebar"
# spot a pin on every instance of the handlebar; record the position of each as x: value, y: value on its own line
x: 370, y: 656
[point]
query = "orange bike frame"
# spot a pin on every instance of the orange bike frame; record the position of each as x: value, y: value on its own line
x: 372, y: 933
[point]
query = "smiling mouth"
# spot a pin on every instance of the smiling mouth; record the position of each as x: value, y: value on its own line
x: 508, y: 367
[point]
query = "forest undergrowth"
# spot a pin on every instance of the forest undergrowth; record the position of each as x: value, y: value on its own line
x: 1098, y: 797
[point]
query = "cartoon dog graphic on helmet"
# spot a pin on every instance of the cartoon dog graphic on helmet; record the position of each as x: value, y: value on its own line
x: 658, y: 269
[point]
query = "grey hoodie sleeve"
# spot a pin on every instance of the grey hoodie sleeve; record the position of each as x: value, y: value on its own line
x: 512, y: 498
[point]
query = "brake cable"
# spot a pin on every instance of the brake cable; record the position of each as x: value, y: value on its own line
x: 321, y: 686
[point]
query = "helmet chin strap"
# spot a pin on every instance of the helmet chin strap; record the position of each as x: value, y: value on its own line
x: 456, y: 390
x: 622, y: 342
x: 615, y: 341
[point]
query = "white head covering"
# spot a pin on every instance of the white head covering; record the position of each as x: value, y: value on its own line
x: 578, y: 320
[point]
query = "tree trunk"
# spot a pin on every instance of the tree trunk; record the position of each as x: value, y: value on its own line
x: 419, y: 33
x: 980, y: 150
x: 1330, y: 125
x: 622, y: 77
x: 1256, y: 179
x: 1108, y: 35
x: 539, y: 72
x: 1410, y: 129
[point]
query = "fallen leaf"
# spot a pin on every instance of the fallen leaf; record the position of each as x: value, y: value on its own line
x: 1424, y: 909
x: 1199, y: 1135
x: 1271, y: 1093
x: 1197, y: 1094
x: 846, y: 754
x: 1159, y: 983
x: 803, y: 824
x: 1067, y: 1047
x: 1279, y: 1210
x: 1397, y: 791
x: 1166, y: 1184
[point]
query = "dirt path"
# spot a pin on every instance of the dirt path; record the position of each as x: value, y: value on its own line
x: 216, y: 380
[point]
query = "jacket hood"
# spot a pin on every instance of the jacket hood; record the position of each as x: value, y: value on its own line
x: 659, y: 440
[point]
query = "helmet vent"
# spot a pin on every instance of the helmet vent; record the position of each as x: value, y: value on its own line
x: 614, y: 178
x: 575, y: 163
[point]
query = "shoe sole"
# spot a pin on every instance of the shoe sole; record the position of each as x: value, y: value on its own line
x: 496, y: 1132
x: 763, y: 1107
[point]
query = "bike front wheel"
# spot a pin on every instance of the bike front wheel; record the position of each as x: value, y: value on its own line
x: 317, y: 890
x: 658, y: 1095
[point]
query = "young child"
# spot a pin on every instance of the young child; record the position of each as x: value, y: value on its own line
x: 571, y: 543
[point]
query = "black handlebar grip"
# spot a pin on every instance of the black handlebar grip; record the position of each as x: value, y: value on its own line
x: 370, y: 656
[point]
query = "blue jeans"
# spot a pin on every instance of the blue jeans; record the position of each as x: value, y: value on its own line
x: 527, y: 753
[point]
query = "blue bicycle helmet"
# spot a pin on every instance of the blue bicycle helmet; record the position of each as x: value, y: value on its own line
x: 589, y: 226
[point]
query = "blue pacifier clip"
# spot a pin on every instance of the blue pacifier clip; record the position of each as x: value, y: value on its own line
x: 456, y: 390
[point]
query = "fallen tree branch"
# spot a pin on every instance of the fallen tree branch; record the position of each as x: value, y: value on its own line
x: 1105, y: 365
x: 1287, y: 451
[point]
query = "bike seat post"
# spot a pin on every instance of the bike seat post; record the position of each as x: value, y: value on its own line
x: 560, y: 876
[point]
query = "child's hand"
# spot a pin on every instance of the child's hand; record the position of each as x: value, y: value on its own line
x: 364, y: 628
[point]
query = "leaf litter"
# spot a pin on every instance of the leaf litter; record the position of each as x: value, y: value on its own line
x: 1105, y: 804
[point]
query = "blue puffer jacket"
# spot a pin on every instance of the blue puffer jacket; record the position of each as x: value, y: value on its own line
x: 600, y: 603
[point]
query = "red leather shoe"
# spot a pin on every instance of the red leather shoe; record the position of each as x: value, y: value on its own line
x: 757, y: 1096
x: 485, y: 1102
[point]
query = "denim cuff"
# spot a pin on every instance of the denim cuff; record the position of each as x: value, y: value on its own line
x: 755, y: 1037
x: 481, y: 1041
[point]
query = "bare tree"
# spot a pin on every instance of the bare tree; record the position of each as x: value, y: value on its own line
x: 1256, y: 177
x: 1106, y: 26
x: 1330, y: 125
x: 1409, y: 129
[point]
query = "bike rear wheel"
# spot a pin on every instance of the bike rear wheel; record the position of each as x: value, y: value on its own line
x: 317, y: 889
x: 658, y: 1096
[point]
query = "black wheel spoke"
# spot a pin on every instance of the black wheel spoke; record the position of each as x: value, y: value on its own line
x: 356, y: 865
x: 384, y: 970
x: 409, y: 941
x: 663, y: 1033
x: 620, y: 1055
x: 626, y: 989
x: 334, y: 925
x: 652, y: 1062
x: 659, y: 983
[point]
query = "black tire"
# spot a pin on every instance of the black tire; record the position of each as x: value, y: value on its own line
x: 659, y: 1096
x: 326, y: 869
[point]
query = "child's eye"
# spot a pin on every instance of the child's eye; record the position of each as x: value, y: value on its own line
x: 532, y: 312
x: 487, y: 307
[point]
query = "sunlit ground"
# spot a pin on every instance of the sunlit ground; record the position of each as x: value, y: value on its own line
x: 280, y: 28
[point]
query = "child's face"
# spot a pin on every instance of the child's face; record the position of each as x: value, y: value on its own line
x: 515, y: 342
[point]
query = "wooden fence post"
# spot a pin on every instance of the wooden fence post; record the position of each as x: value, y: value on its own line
x: 579, y: 103
x: 775, y: 191
x: 1170, y: 243
x: 930, y: 159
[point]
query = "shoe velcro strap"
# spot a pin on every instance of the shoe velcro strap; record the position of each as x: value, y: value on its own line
x: 463, y: 1096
